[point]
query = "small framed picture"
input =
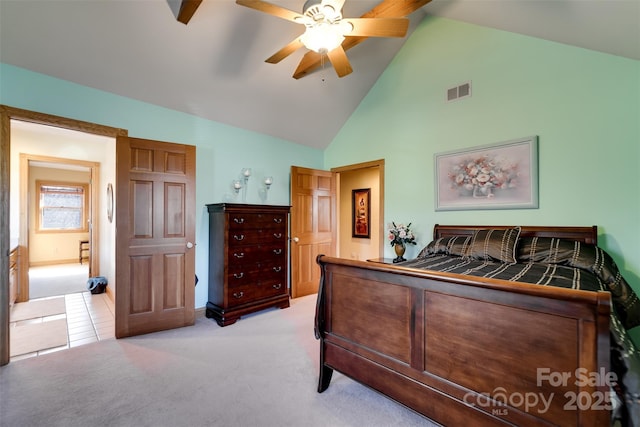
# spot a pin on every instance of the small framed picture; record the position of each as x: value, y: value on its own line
x: 361, y: 201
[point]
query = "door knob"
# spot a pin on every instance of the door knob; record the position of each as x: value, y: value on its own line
x: 189, y: 245
x: 295, y: 239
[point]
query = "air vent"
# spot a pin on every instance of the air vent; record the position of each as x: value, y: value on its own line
x: 462, y: 91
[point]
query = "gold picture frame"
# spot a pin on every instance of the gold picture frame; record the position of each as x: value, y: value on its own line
x: 361, y: 213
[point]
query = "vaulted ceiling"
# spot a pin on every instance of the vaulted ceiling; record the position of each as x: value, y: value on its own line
x: 214, y: 66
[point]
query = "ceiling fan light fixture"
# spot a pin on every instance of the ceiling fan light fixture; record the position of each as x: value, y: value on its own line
x: 322, y: 38
x: 327, y: 33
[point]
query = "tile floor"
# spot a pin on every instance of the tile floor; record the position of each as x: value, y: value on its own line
x: 90, y: 318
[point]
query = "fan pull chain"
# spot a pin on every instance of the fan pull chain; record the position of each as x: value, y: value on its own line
x: 322, y: 67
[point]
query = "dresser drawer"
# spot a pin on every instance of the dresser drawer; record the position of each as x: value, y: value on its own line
x: 272, y: 270
x: 256, y: 273
x: 246, y: 221
x: 243, y: 274
x: 257, y: 236
x: 249, y: 293
x: 275, y: 285
x: 256, y: 253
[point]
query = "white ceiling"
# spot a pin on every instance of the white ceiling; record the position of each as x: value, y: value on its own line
x: 214, y: 66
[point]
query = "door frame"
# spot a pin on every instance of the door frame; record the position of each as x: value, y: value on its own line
x: 94, y: 257
x: 379, y: 164
x: 8, y: 113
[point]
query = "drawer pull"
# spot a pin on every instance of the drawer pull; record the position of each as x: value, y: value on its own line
x: 238, y: 275
x: 277, y: 220
x: 238, y: 220
x: 277, y: 269
x: 239, y: 255
x: 277, y: 235
x: 240, y: 237
x: 238, y: 294
x: 277, y: 251
x: 278, y: 286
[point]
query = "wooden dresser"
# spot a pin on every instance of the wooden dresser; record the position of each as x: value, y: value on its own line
x: 247, y: 260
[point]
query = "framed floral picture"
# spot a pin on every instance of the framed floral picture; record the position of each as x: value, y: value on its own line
x: 361, y: 213
x: 495, y: 176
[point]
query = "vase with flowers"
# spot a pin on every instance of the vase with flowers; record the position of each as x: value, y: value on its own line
x: 400, y: 236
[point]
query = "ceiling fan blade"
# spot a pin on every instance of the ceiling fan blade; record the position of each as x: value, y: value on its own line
x: 395, y: 8
x: 340, y: 62
x: 187, y: 9
x: 309, y: 62
x: 274, y: 10
x: 378, y: 27
x: 285, y: 51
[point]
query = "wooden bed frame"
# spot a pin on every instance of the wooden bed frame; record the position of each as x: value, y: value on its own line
x: 465, y: 350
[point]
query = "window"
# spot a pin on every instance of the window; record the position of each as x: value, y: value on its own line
x: 62, y: 206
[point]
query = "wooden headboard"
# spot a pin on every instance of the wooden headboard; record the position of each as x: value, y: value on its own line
x: 587, y: 235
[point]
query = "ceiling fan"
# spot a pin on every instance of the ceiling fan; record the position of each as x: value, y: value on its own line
x: 328, y: 33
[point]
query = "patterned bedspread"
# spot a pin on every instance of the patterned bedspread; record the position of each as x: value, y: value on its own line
x: 536, y: 273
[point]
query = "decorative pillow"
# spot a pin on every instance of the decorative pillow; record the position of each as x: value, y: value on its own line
x: 450, y: 245
x: 548, y: 250
x: 494, y: 244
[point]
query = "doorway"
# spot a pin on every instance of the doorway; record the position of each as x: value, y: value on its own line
x: 321, y: 219
x: 62, y: 233
x: 368, y: 176
x: 59, y: 225
x: 9, y: 172
x: 54, y: 151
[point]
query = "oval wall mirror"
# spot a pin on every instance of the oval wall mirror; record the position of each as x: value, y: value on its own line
x: 110, y: 202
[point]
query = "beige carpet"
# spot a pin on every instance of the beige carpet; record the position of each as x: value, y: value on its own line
x: 37, y: 308
x: 259, y: 372
x: 59, y: 279
x: 37, y: 336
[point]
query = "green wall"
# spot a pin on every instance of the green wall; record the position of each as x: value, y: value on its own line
x: 221, y: 150
x: 583, y: 105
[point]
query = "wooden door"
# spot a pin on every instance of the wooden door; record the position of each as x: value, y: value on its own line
x: 313, y: 226
x: 155, y: 231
